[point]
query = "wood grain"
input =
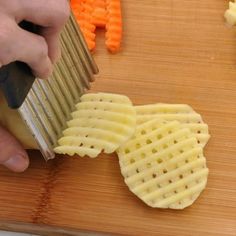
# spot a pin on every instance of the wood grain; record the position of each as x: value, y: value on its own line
x: 173, y: 51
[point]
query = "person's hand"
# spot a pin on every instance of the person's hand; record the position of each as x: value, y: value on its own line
x: 12, y: 154
x: 38, y: 51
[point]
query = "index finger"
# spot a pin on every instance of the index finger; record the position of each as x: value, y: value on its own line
x: 52, y: 15
x: 46, y: 13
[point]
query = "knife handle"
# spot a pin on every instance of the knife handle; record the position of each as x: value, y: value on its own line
x: 16, y: 78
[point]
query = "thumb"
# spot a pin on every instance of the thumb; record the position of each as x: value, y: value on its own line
x: 12, y: 154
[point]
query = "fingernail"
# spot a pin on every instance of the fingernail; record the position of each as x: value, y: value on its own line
x: 17, y: 163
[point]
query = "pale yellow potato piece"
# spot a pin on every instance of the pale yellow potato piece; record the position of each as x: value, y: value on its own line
x: 163, y: 164
x: 12, y: 121
x: 72, y: 150
x: 101, y: 123
x: 164, y: 108
x: 180, y: 112
x: 106, y: 97
x: 230, y: 14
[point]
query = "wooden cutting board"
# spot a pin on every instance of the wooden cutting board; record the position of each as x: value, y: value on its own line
x: 173, y: 51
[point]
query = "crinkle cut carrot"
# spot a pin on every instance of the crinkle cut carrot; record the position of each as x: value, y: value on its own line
x: 114, y: 25
x: 99, y: 13
x: 89, y: 38
x: 74, y: 3
x: 82, y: 10
x: 99, y: 4
x: 99, y: 17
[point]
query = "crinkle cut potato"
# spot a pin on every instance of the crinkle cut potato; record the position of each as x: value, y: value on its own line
x: 180, y: 112
x: 11, y: 120
x: 163, y: 164
x: 101, y: 123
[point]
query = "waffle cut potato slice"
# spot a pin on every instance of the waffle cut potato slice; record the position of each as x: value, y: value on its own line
x: 180, y: 112
x: 101, y: 123
x: 163, y: 164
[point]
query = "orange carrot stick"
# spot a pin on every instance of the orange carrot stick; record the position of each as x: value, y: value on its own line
x: 114, y: 25
x: 99, y: 13
x: 99, y: 17
x: 99, y: 4
x: 82, y: 10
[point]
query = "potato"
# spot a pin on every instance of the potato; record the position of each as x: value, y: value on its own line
x: 12, y: 121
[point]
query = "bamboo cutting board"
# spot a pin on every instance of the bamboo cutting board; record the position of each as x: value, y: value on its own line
x: 173, y: 51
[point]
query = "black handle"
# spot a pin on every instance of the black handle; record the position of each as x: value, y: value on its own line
x: 16, y: 78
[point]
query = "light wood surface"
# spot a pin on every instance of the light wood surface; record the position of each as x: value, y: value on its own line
x: 173, y: 51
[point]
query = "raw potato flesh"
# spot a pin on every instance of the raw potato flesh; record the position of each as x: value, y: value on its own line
x: 101, y: 123
x: 180, y: 112
x: 11, y: 120
x: 163, y: 164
